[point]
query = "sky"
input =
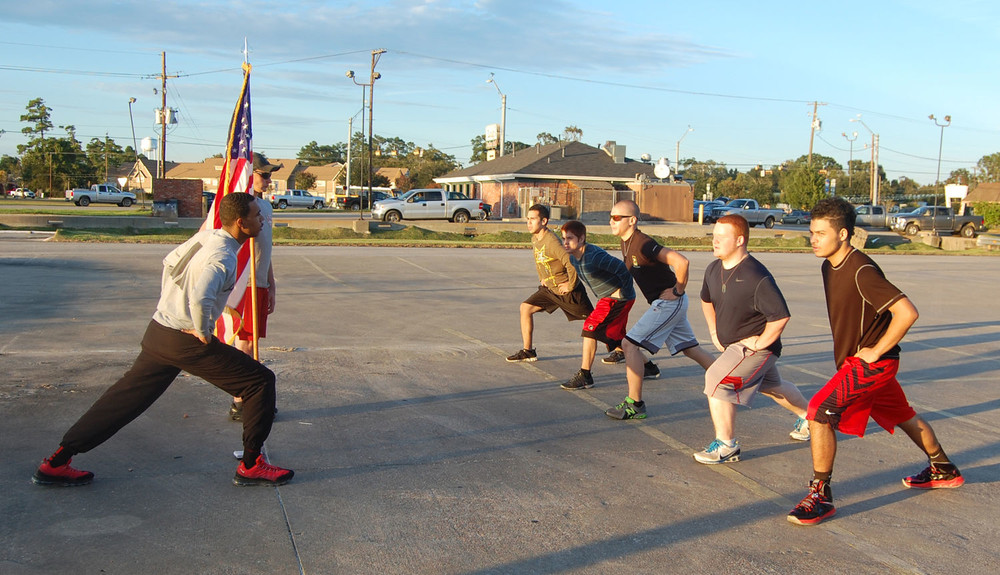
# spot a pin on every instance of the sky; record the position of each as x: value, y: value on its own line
x: 743, y: 76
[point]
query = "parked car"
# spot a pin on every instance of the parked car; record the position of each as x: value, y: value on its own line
x: 429, y: 204
x: 749, y: 209
x: 23, y: 193
x: 100, y: 194
x: 796, y: 217
x: 872, y: 216
x: 707, y: 209
x: 938, y: 218
x: 296, y: 199
x: 355, y: 203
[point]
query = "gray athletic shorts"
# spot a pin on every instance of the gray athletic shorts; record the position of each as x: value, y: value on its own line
x: 738, y: 374
x: 665, y: 323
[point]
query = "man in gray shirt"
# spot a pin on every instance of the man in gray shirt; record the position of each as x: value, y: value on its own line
x: 198, y: 277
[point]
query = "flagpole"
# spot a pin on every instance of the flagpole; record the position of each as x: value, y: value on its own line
x: 253, y: 244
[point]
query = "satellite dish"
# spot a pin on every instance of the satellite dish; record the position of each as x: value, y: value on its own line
x: 645, y: 157
x: 662, y: 169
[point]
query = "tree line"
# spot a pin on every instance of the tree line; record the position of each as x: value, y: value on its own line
x: 48, y: 162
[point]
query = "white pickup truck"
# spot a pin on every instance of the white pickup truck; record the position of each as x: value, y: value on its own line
x: 429, y: 204
x: 296, y: 199
x: 100, y: 194
x: 749, y: 209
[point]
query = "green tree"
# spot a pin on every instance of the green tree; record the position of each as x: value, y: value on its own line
x: 803, y: 186
x: 314, y: 154
x: 305, y: 181
x: 105, y: 153
x: 546, y: 138
x: 424, y: 164
x: 989, y: 167
x: 572, y: 134
x: 39, y: 116
x: 51, y: 163
x: 961, y: 176
x: 10, y: 171
x: 708, y: 176
x: 756, y: 187
x: 479, y: 148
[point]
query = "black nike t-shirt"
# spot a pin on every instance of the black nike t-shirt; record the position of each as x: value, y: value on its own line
x: 858, y: 298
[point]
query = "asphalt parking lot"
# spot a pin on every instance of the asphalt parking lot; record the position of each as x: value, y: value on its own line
x: 418, y: 449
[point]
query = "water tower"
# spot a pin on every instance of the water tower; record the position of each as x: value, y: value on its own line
x: 148, y: 148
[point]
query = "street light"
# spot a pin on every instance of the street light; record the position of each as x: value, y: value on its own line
x: 350, y: 136
x: 677, y: 154
x: 874, y: 181
x: 947, y: 122
x: 376, y: 54
x: 135, y: 148
x: 854, y: 136
x: 503, y: 111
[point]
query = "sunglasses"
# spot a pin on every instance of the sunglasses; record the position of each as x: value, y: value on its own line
x: 263, y: 175
x: 618, y: 217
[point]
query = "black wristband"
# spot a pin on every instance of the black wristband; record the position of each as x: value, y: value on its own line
x: 674, y: 289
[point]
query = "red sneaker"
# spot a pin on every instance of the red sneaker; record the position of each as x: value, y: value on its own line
x: 63, y: 476
x: 935, y: 478
x: 263, y: 473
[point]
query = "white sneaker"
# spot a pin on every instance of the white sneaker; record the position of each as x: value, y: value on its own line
x: 801, y: 430
x: 718, y: 452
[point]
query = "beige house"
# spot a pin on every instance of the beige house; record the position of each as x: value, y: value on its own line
x: 326, y: 180
x: 394, y: 175
x: 209, y: 171
x: 576, y: 180
x: 139, y: 175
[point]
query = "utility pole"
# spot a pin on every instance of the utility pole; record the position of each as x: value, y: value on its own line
x: 816, y: 126
x: 503, y: 112
x: 161, y: 165
x: 876, y: 180
x: 376, y: 54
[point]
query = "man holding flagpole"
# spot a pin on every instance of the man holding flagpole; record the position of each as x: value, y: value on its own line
x: 198, y: 277
x: 249, y: 332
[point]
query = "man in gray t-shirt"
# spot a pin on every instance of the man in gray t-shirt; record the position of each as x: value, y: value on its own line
x: 746, y: 314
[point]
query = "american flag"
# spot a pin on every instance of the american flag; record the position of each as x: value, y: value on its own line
x: 237, y: 176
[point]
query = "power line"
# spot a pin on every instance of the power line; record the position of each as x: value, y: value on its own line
x: 73, y: 72
x: 604, y: 83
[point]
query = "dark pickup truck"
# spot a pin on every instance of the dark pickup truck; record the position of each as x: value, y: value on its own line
x: 355, y: 203
x: 939, y: 219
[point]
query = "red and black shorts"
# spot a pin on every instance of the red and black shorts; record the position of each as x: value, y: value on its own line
x: 608, y: 321
x: 859, y: 390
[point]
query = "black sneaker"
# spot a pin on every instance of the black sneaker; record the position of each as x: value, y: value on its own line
x: 582, y: 380
x: 935, y: 478
x: 628, y: 409
x: 616, y: 356
x: 523, y: 355
x: 650, y: 371
x: 815, y: 507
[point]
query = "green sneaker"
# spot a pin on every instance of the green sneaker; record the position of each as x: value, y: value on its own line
x: 628, y: 409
